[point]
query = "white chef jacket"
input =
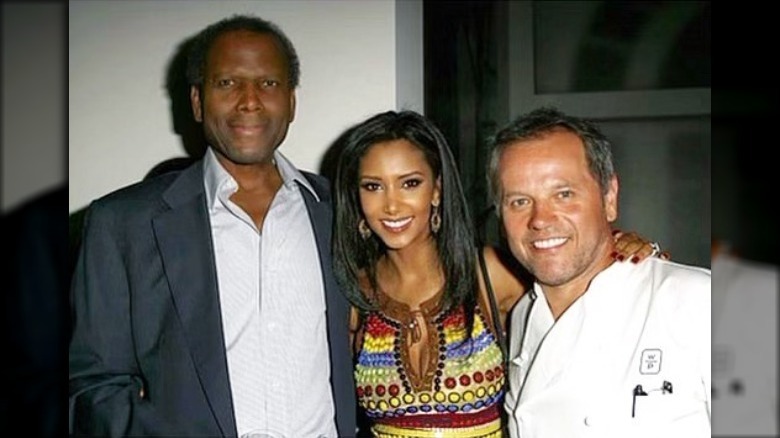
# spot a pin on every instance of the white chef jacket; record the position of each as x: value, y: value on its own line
x: 645, y: 324
x: 744, y: 342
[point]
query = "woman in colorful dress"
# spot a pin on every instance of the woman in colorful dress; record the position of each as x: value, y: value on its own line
x: 426, y: 337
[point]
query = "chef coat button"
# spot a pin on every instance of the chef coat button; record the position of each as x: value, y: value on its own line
x: 588, y: 421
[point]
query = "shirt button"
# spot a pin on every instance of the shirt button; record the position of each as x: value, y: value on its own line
x: 588, y: 421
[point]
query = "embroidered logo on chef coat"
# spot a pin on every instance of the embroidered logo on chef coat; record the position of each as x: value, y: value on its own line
x: 651, y: 361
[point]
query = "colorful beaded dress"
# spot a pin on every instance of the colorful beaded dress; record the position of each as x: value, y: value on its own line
x: 458, y: 391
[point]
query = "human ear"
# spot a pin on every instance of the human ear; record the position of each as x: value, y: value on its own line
x: 195, y: 101
x: 611, y: 200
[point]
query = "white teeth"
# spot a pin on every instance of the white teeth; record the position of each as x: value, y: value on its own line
x: 396, y: 224
x: 549, y: 243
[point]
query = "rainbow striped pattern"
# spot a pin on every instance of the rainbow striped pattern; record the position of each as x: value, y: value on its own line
x: 465, y: 388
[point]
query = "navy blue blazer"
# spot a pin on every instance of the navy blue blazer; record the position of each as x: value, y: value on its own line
x: 147, y: 355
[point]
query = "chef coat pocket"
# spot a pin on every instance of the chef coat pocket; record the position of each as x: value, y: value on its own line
x: 669, y: 414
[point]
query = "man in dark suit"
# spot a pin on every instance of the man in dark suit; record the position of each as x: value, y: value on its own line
x: 204, y: 302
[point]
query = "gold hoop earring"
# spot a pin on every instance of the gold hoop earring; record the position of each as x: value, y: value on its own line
x: 363, y: 229
x: 435, y: 219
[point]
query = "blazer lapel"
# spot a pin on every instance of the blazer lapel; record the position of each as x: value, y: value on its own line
x: 183, y: 237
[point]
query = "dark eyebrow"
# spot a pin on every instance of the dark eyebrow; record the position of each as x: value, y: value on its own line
x: 410, y: 174
x: 403, y: 176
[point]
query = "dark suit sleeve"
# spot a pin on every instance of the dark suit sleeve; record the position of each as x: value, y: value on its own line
x: 105, y: 385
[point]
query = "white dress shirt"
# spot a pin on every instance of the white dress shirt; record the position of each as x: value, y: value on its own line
x: 272, y: 303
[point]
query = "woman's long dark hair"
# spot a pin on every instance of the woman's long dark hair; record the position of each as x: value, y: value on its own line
x: 455, y: 243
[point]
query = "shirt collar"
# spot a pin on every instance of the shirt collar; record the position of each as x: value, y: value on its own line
x: 217, y: 180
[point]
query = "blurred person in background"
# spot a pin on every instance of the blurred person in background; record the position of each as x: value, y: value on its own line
x: 744, y: 344
x: 35, y: 320
x: 35, y: 324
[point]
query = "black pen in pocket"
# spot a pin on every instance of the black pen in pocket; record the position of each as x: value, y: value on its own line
x: 638, y: 391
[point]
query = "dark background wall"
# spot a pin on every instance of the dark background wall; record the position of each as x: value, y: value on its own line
x: 641, y: 70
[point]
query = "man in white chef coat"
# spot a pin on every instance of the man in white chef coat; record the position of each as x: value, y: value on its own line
x: 597, y: 348
x: 744, y: 343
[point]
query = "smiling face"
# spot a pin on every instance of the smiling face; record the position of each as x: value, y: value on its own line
x: 554, y: 212
x: 397, y: 191
x: 246, y: 102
